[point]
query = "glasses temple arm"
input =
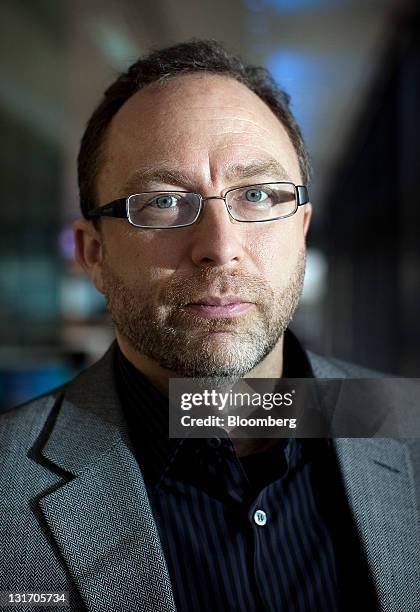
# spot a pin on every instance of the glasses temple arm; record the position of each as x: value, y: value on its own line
x: 117, y: 208
x: 302, y: 195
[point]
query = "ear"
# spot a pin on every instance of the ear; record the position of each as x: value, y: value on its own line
x: 307, y: 214
x: 89, y: 250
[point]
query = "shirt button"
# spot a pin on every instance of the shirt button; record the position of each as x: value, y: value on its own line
x: 214, y: 442
x: 260, y: 517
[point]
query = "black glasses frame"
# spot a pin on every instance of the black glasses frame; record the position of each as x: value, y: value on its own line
x: 120, y: 208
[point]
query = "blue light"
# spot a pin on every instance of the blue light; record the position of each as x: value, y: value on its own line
x: 289, y: 6
x: 310, y: 79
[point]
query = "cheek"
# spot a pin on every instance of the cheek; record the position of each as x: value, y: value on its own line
x: 276, y: 249
x: 144, y: 258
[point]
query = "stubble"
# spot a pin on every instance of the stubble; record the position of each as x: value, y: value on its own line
x: 156, y: 325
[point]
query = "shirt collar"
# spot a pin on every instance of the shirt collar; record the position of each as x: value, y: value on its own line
x: 146, y: 410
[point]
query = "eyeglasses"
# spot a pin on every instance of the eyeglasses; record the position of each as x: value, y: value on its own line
x: 169, y: 209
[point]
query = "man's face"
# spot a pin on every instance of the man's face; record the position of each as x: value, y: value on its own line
x: 215, y: 133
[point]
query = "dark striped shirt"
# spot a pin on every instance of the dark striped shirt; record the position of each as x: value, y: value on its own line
x: 244, y: 533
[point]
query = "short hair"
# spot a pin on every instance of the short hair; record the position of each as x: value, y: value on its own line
x: 195, y: 56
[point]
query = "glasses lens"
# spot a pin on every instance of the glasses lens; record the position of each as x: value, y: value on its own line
x: 163, y: 209
x: 262, y: 202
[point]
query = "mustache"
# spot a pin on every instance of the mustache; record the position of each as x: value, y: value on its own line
x: 184, y: 288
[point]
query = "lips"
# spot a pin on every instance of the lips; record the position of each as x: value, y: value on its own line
x: 219, y: 301
x: 212, y: 307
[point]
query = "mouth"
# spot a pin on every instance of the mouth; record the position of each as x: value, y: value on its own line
x: 210, y: 307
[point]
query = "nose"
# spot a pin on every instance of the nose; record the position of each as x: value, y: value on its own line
x: 216, y: 239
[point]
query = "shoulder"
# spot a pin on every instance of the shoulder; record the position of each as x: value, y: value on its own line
x: 96, y: 373
x: 396, y: 396
x: 25, y: 422
x: 330, y: 367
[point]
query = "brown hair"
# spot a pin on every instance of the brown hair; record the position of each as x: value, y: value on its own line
x: 189, y: 57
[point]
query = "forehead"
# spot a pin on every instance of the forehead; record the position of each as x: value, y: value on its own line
x: 192, y: 121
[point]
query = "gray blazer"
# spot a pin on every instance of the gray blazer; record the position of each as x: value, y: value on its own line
x: 75, y: 514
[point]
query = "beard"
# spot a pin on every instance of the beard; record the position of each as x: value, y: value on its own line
x: 220, y: 350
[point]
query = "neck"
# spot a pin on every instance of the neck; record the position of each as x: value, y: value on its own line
x: 270, y: 367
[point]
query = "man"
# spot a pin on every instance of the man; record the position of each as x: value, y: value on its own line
x: 193, y: 177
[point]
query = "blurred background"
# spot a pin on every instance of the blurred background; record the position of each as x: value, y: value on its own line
x: 352, y: 68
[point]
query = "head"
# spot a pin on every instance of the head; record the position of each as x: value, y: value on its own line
x: 192, y: 117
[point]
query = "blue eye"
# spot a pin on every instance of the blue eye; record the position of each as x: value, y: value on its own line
x: 255, y: 195
x: 166, y: 201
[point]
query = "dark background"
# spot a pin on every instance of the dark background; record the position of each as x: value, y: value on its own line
x: 353, y: 70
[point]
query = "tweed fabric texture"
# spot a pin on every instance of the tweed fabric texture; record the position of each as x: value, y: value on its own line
x: 29, y: 559
x: 75, y: 514
x: 382, y: 483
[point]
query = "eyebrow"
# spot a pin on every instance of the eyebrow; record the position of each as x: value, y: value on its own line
x: 143, y: 178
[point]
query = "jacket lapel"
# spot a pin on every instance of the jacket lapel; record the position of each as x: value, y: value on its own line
x: 101, y: 519
x: 379, y: 486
